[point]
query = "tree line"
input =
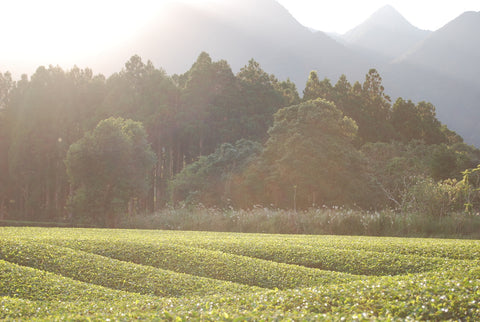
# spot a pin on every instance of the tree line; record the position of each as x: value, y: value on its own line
x: 83, y: 148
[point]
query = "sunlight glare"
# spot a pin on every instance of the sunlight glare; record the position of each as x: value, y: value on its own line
x: 58, y: 32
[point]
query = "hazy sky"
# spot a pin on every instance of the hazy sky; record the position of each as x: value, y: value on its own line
x: 63, y: 31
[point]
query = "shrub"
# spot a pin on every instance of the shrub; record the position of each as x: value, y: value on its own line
x: 430, y: 198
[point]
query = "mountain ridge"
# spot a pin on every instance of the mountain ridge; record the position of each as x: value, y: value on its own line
x: 287, y: 49
x: 290, y: 51
x: 386, y: 32
x: 264, y: 30
x: 451, y: 49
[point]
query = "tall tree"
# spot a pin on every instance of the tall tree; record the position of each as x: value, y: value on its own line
x: 433, y: 132
x: 417, y: 122
x: 209, y: 104
x: 406, y: 121
x: 348, y: 99
x: 310, y: 157
x: 342, y: 91
x: 47, y: 112
x: 6, y: 86
x: 146, y: 94
x: 317, y: 89
x: 288, y: 89
x: 107, y: 168
x: 365, y: 103
x: 261, y: 99
x: 374, y: 123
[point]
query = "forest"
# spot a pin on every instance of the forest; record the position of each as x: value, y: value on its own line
x: 84, y: 149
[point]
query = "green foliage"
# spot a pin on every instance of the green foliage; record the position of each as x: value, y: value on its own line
x: 443, y: 163
x: 417, y: 122
x: 108, y: 272
x: 311, y: 156
x: 108, y: 167
x: 327, y: 257
x: 206, y: 109
x: 370, y: 107
x: 45, y: 115
x: 289, y: 91
x: 406, y: 120
x: 34, y: 284
x: 224, y: 265
x: 317, y: 89
x: 310, y: 159
x: 146, y: 94
x: 436, y: 199
x: 470, y: 189
x: 419, y: 178
x: 262, y: 95
x: 211, y: 179
x: 394, y: 168
x: 373, y: 122
x: 436, y: 286
x: 185, y: 116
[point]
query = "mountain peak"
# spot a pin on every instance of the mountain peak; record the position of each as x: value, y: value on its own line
x: 388, y: 17
x: 387, y: 10
x: 385, y: 32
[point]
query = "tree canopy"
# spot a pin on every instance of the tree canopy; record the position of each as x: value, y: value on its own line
x: 310, y: 156
x: 213, y: 180
x: 107, y: 168
x: 219, y: 137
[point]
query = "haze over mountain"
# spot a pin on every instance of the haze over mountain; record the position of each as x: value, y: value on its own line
x: 444, y: 69
x: 453, y: 50
x: 386, y: 32
x: 440, y: 67
x: 238, y: 31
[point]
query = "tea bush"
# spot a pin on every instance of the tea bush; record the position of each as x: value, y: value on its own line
x: 93, y: 274
x: 111, y: 273
x: 221, y: 265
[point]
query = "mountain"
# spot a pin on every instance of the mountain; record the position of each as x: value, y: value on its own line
x: 386, y: 33
x: 453, y: 50
x: 457, y: 102
x: 444, y: 69
x: 237, y: 31
x: 438, y: 67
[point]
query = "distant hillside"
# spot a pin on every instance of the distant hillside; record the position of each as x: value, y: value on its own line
x: 237, y: 31
x: 444, y: 69
x: 440, y: 67
x: 457, y: 102
x: 453, y: 50
x: 386, y: 33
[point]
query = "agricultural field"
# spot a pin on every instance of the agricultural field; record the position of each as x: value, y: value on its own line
x: 98, y: 274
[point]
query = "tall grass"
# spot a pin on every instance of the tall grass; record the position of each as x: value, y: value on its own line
x: 334, y: 221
